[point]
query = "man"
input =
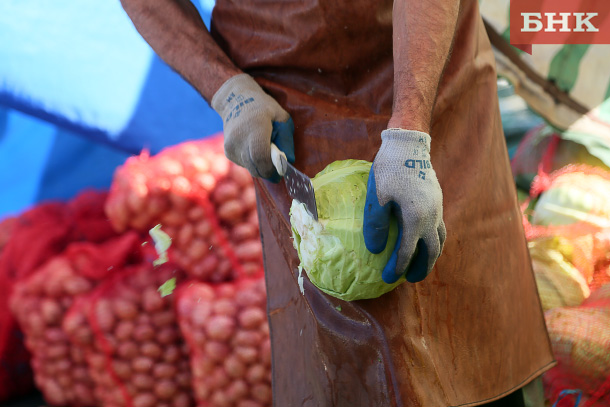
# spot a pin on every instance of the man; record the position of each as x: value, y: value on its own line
x: 373, y: 80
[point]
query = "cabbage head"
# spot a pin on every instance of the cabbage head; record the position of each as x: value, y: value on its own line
x: 332, y: 249
x: 575, y: 197
x: 559, y: 282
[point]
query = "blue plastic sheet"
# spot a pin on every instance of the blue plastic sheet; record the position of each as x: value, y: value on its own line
x: 80, y: 90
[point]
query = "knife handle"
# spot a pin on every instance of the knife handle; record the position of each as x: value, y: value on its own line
x: 279, y: 159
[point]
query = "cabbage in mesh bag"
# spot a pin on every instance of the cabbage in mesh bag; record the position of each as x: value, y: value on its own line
x: 559, y: 283
x: 332, y: 249
x: 576, y: 193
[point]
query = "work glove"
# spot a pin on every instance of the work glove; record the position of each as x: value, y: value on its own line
x: 403, y: 184
x: 252, y: 120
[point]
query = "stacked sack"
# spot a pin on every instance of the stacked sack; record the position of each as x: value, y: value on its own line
x: 581, y: 346
x: 130, y: 338
x: 41, y: 302
x: 207, y: 205
x: 567, y: 225
x: 203, y: 201
x: 97, y: 305
x: 226, y: 328
x: 30, y: 240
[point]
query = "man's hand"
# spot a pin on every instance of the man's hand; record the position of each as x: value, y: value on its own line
x: 252, y: 120
x: 402, y: 182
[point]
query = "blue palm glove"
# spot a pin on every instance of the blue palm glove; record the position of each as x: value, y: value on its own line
x: 252, y: 120
x: 403, y: 183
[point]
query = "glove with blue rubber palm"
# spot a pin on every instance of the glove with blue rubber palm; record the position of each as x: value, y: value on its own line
x: 402, y: 182
x: 252, y: 120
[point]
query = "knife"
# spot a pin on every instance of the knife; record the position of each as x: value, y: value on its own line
x: 299, y: 185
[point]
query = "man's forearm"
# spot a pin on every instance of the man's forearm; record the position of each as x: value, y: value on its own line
x: 423, y: 36
x: 175, y: 30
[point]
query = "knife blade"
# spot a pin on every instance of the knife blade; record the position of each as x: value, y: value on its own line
x: 299, y: 185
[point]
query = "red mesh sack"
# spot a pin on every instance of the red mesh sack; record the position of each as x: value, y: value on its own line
x: 131, y: 340
x: 599, y: 298
x: 15, y: 372
x: 226, y: 328
x: 580, y: 337
x: 601, y: 274
x: 46, y: 229
x: 34, y: 237
x: 544, y: 146
x: 38, y: 235
x: 41, y: 301
x: 574, y: 193
x: 205, y: 203
x: 7, y: 225
x: 589, y: 243
x: 88, y: 217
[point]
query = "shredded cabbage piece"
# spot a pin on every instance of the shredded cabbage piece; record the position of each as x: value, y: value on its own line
x: 168, y: 287
x: 300, y: 280
x: 162, y: 244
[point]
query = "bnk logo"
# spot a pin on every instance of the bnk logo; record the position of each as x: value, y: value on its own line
x: 559, y: 22
x: 532, y: 22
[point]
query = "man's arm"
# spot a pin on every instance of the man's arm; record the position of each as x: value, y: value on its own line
x: 423, y: 36
x: 175, y: 30
x: 252, y: 119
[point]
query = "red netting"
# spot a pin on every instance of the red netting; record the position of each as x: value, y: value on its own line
x: 131, y: 339
x: 601, y: 276
x: 15, y: 372
x: 36, y: 236
x: 39, y: 234
x: 227, y: 331
x: 41, y: 301
x: 585, y: 246
x: 204, y: 202
x: 542, y: 150
x: 545, y: 180
x: 590, y: 241
x: 7, y: 226
x: 580, y: 337
x: 88, y: 218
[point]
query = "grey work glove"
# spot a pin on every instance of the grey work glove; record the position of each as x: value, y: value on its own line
x: 252, y: 120
x: 402, y: 183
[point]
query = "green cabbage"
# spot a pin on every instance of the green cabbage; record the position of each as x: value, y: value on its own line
x: 162, y: 244
x: 332, y: 250
x: 559, y: 282
x: 574, y: 197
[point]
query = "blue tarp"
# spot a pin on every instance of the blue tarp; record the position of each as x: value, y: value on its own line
x: 80, y: 91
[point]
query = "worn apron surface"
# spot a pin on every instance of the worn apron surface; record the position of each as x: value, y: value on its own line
x: 473, y: 330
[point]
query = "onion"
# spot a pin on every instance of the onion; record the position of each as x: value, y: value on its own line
x: 237, y: 390
x: 125, y: 309
x: 151, y: 350
x: 144, y: 333
x: 142, y: 364
x: 252, y: 317
x: 165, y: 389
x: 225, y: 191
x: 220, y: 327
x: 256, y: 373
x: 261, y: 392
x: 142, y: 381
x: 164, y: 371
x: 127, y: 350
x: 231, y: 211
x: 124, y: 330
x: 51, y: 311
x: 144, y: 400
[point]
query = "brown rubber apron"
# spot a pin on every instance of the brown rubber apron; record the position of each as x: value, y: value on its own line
x: 473, y: 330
